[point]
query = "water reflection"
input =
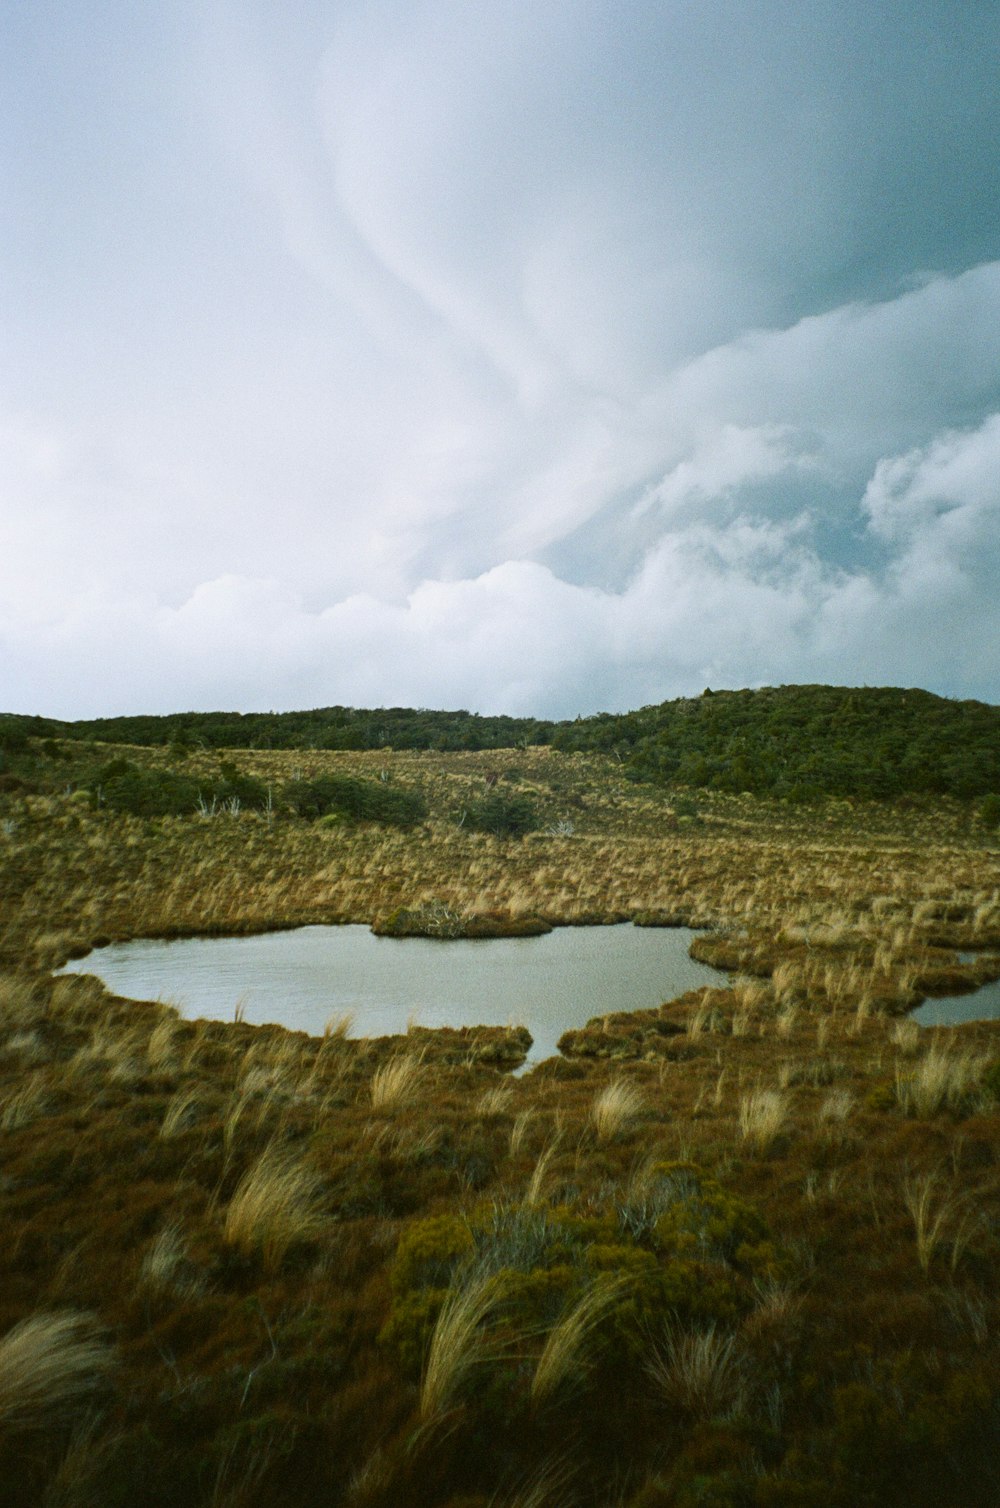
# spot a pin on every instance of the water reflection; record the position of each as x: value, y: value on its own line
x: 300, y: 979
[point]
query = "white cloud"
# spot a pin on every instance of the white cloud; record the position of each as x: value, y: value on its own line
x: 516, y: 357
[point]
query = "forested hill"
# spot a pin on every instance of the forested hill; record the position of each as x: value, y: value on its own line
x: 806, y: 741
x: 797, y: 742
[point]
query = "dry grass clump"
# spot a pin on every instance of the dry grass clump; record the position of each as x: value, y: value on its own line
x: 162, y: 1046
x: 49, y: 1364
x: 932, y: 1217
x: 563, y: 1355
x: 615, y: 1109
x: 701, y: 1372
x: 459, y: 1342
x: 276, y: 1205
x: 907, y: 1035
x: 763, y: 1117
x: 535, y: 1193
x: 181, y: 1113
x: 494, y: 1101
x: 166, y: 1267
x: 837, y: 1105
x: 23, y: 1103
x: 942, y: 1080
x: 519, y: 1130
x: 396, y: 1082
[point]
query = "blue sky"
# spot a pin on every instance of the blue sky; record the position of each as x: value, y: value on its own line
x: 522, y: 358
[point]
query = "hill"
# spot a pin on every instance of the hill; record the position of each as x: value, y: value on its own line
x: 793, y: 742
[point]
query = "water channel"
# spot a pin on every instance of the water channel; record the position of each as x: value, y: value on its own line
x: 301, y: 978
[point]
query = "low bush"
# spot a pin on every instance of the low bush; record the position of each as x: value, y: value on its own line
x: 354, y: 799
x: 502, y: 815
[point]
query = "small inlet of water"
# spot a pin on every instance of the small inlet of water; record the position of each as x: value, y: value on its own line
x: 954, y: 1010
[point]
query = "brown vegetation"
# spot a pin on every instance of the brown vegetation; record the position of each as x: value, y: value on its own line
x: 739, y: 1249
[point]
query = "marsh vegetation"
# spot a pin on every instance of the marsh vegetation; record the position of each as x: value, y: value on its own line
x: 739, y: 1248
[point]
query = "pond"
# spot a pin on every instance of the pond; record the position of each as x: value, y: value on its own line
x: 299, y: 979
x: 952, y: 1010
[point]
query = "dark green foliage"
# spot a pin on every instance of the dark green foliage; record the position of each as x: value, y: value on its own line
x: 13, y: 736
x: 356, y: 800
x: 989, y: 812
x: 804, y: 742
x: 798, y: 743
x: 320, y: 728
x: 504, y: 816
x: 235, y: 785
x: 124, y: 787
x: 147, y: 793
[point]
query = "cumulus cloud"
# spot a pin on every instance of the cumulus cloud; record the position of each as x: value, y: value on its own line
x: 526, y: 359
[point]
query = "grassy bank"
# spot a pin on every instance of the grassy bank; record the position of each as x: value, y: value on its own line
x: 741, y: 1250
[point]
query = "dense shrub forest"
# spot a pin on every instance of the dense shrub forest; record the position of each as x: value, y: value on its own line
x: 794, y: 742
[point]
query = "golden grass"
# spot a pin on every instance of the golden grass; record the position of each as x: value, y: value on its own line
x: 942, y: 1080
x: 537, y: 1191
x: 23, y: 1103
x: 49, y: 1365
x: 563, y: 1356
x: 459, y: 1342
x: 615, y: 1109
x: 276, y: 1205
x: 494, y: 1101
x: 933, y: 1213
x: 763, y: 1116
x: 181, y: 1113
x: 395, y: 1084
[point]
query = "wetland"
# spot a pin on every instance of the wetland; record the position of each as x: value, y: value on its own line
x: 733, y: 1245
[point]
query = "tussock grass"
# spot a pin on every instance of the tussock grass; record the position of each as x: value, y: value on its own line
x: 276, y: 1205
x: 906, y: 1034
x: 536, y: 1192
x: 162, y: 1047
x: 338, y: 1027
x: 933, y: 1212
x: 763, y: 1116
x: 396, y: 1083
x: 494, y: 1101
x: 700, y: 1372
x: 24, y: 1104
x: 181, y: 1113
x: 49, y: 1365
x: 942, y: 1080
x: 563, y: 1357
x: 166, y: 1267
x: 460, y: 1342
x: 615, y: 1109
x: 519, y: 1130
x: 837, y: 1105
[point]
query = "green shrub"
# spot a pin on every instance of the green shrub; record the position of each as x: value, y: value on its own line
x: 235, y: 785
x: 124, y: 787
x: 13, y: 738
x: 989, y: 812
x: 147, y: 793
x: 504, y: 816
x: 358, y: 800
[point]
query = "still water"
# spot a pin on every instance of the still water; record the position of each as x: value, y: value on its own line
x: 982, y: 1005
x: 300, y: 979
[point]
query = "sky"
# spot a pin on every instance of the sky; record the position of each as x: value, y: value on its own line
x: 526, y: 358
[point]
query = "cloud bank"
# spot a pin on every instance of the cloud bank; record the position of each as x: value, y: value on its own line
x: 522, y: 361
